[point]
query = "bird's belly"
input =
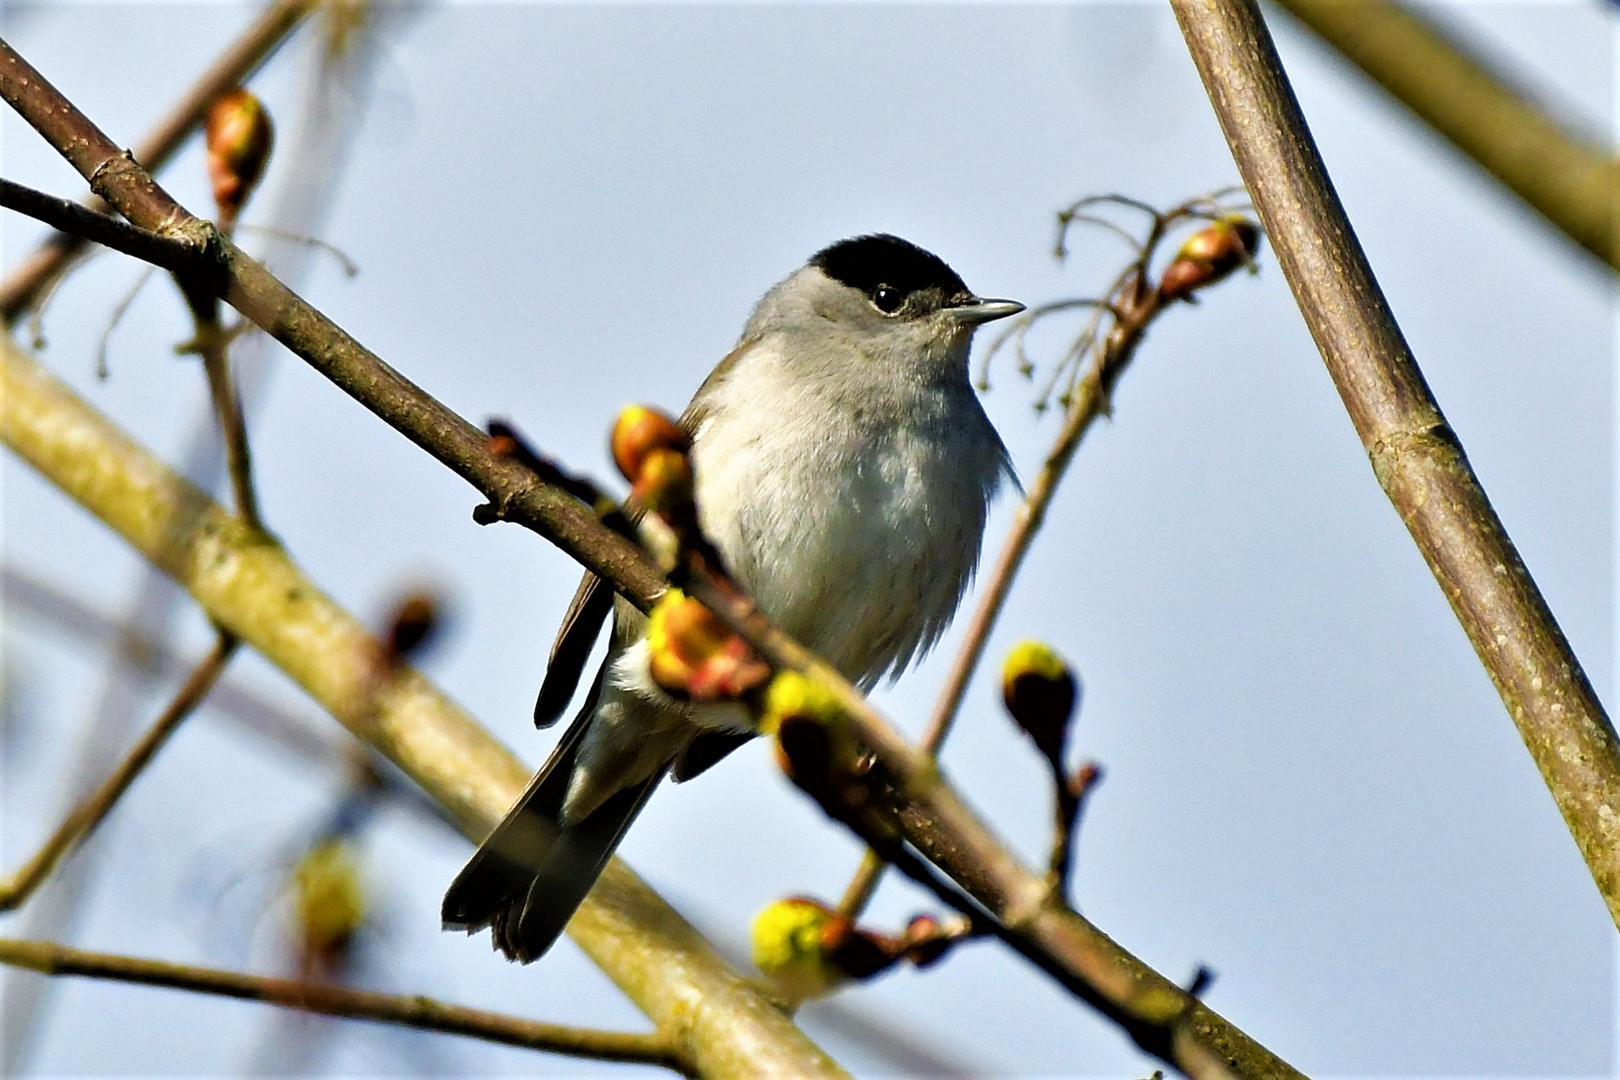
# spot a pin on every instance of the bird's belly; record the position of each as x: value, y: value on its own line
x: 860, y: 551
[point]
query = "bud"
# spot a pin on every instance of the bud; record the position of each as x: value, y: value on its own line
x: 1040, y: 691
x: 796, y: 697
x: 926, y: 941
x: 1210, y: 255
x: 664, y: 485
x: 694, y: 656
x: 412, y: 627
x: 807, y: 949
x: 329, y: 902
x: 239, y: 136
x: 638, y: 432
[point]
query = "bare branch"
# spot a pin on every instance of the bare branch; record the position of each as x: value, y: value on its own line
x: 1415, y: 455
x: 83, y: 819
x: 64, y: 215
x: 1568, y: 177
x: 328, y: 999
x: 213, y: 342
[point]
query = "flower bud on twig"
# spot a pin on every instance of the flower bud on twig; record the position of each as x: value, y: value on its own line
x: 239, y: 136
x: 640, y: 430
x: 329, y: 903
x: 694, y: 656
x: 412, y: 628
x: 1210, y: 255
x: 807, y: 949
x: 1040, y: 691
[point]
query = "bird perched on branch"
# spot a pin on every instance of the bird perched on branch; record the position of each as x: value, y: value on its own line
x: 842, y: 467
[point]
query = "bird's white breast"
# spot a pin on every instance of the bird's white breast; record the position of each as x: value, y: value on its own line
x: 853, y: 511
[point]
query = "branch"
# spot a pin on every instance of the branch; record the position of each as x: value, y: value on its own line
x: 84, y: 818
x: 25, y: 284
x: 1567, y: 177
x: 213, y: 342
x: 288, y: 731
x: 246, y: 583
x: 1415, y: 455
x: 1162, y: 1018
x: 331, y: 1000
x: 80, y: 221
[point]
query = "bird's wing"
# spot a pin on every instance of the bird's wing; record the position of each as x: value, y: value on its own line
x: 580, y: 626
x: 698, y: 410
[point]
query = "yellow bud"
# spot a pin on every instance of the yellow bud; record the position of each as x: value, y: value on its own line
x: 788, y: 947
x: 1039, y: 691
x: 806, y: 948
x: 639, y: 431
x: 664, y: 484
x: 793, y: 695
x: 694, y: 655
x: 329, y: 899
x: 239, y: 136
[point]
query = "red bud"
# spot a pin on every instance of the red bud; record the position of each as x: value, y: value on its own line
x: 239, y: 136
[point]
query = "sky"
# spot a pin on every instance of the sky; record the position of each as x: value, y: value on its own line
x: 1311, y: 786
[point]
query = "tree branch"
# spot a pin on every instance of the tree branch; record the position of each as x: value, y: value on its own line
x: 1567, y: 177
x: 328, y: 999
x: 35, y: 274
x: 84, y: 818
x: 83, y: 223
x: 1415, y: 455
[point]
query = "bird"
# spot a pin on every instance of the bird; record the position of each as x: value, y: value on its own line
x: 843, y: 468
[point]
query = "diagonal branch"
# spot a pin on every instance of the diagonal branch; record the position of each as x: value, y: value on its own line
x: 1566, y: 176
x: 83, y: 819
x: 328, y: 999
x: 1415, y: 455
x: 84, y: 223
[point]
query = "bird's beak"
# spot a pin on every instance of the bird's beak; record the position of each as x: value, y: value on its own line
x: 979, y: 310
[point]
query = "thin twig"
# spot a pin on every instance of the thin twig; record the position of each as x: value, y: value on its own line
x: 329, y: 999
x: 258, y: 42
x: 214, y: 344
x: 170, y: 253
x: 103, y: 368
x: 1416, y: 457
x: 1068, y: 803
x: 84, y: 818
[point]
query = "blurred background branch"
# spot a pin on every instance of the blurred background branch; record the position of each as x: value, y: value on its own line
x: 1561, y: 170
x: 654, y: 1048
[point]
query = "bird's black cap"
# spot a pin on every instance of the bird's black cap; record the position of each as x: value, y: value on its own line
x: 865, y: 262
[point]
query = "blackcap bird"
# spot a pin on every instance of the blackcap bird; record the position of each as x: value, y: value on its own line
x: 842, y: 468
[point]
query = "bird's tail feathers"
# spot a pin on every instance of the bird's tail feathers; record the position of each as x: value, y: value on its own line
x: 527, y: 878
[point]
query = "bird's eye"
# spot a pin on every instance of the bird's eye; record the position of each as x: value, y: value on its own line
x: 888, y: 299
